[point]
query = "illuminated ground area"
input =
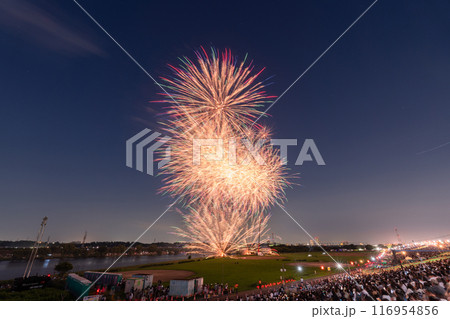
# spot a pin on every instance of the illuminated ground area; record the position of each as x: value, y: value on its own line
x: 248, y: 272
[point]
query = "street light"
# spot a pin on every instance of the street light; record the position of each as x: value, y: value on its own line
x: 282, y: 270
x: 299, y: 268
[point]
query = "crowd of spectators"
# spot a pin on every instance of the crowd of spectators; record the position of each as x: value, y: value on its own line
x: 427, y: 281
x: 155, y: 292
x: 159, y: 292
x: 211, y: 290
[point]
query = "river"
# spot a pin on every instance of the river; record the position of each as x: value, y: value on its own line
x: 12, y: 269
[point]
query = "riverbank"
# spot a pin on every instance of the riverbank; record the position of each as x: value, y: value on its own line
x: 11, y: 269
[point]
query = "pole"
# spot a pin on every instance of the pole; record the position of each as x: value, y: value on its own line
x: 35, y: 248
x: 259, y: 234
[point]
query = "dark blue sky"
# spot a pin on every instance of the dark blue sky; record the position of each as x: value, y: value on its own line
x: 71, y: 98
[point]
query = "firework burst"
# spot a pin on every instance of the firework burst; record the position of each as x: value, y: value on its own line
x: 225, y: 172
x: 223, y: 168
x: 222, y: 232
x: 217, y: 90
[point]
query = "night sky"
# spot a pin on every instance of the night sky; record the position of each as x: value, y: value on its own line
x: 377, y: 106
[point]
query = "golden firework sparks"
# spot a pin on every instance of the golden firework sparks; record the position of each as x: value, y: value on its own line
x: 224, y: 169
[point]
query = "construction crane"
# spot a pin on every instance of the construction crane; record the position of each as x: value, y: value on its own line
x: 259, y: 237
x: 84, y: 239
x: 398, y: 236
x: 35, y: 248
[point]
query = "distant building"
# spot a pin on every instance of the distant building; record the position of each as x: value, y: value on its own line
x: 185, y: 287
x: 314, y: 242
x: 78, y: 286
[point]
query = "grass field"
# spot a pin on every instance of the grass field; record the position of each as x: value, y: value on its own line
x: 248, y: 272
x: 44, y: 294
